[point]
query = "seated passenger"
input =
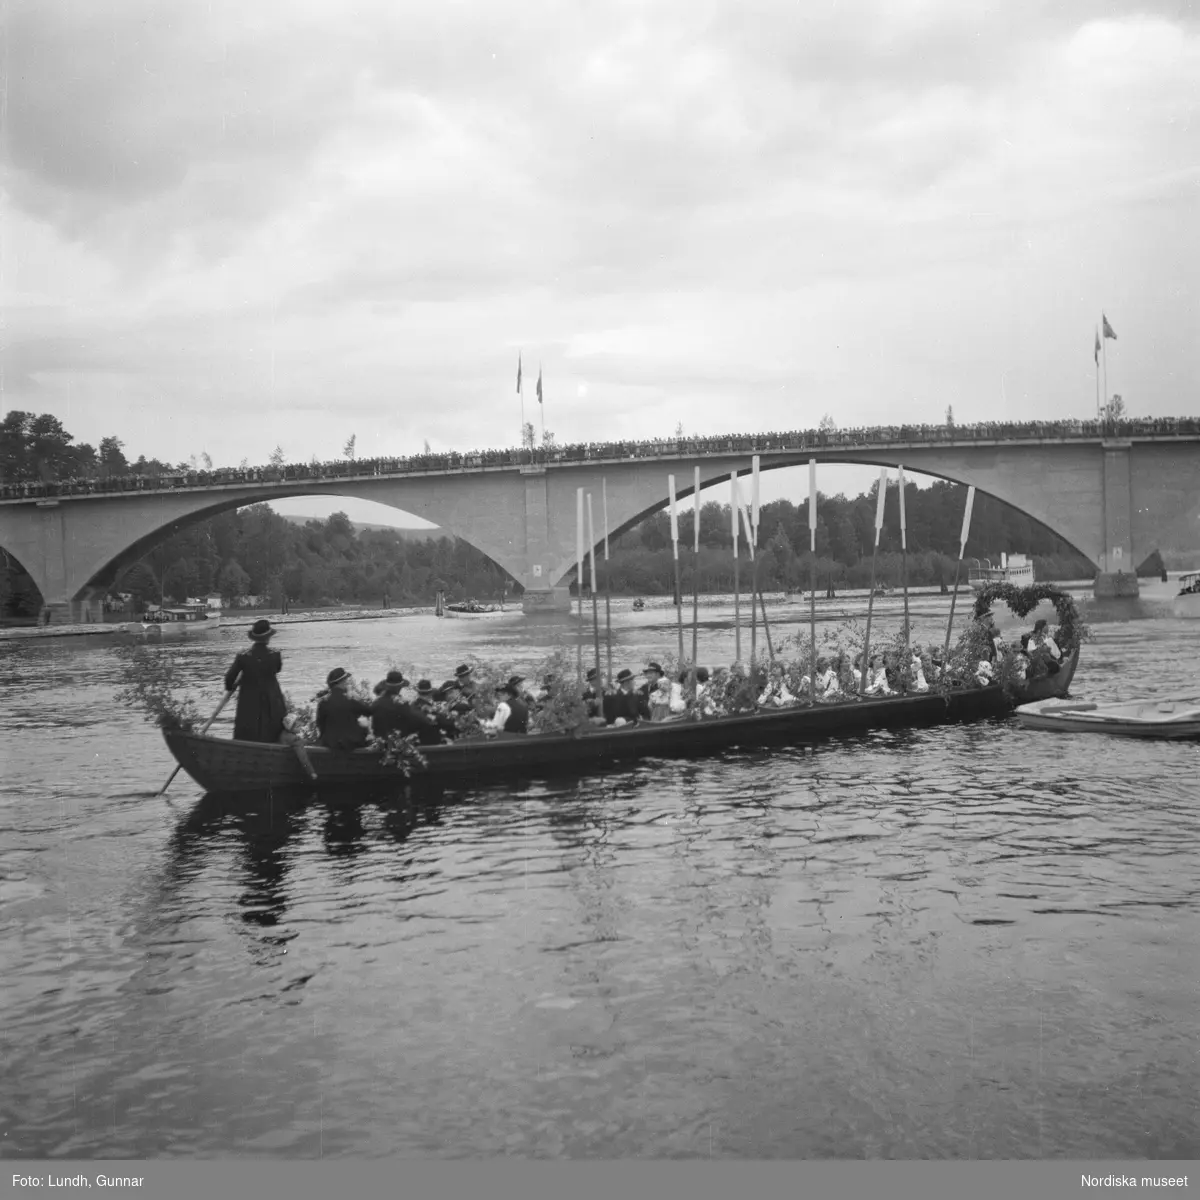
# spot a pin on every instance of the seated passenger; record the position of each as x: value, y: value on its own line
x: 1042, y: 639
x: 512, y: 713
x: 659, y: 700
x: 704, y: 703
x: 389, y: 714
x: 623, y: 707
x: 291, y: 737
x: 877, y: 680
x: 918, y: 682
x: 338, y: 714
x: 776, y: 694
x: 828, y: 685
x: 653, y: 674
x: 593, y: 695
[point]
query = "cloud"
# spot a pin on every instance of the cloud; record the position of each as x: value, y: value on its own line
x: 226, y: 216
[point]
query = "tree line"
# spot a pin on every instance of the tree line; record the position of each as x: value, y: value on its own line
x: 255, y: 552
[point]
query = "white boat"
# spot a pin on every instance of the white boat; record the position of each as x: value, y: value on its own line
x: 1147, y: 718
x: 1016, y: 569
x: 1187, y: 603
x: 169, y: 624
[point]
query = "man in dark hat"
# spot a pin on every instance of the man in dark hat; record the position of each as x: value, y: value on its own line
x: 338, y: 713
x: 255, y: 675
x: 653, y: 674
x: 624, y: 704
x: 429, y: 704
x: 512, y: 713
x: 390, y: 714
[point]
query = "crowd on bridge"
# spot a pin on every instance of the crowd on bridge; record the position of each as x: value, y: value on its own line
x: 801, y: 441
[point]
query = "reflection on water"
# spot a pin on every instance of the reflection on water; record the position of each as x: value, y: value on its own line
x: 977, y: 941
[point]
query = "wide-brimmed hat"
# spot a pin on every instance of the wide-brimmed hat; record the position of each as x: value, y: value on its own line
x: 336, y: 676
x: 394, y: 682
x: 261, y: 630
x: 462, y: 671
x: 702, y: 675
x: 513, y: 684
x: 624, y: 675
x: 424, y: 688
x: 592, y: 673
x: 655, y: 667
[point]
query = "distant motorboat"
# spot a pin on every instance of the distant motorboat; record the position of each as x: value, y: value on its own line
x: 472, y: 608
x: 1016, y: 569
x: 639, y: 604
x: 1174, y: 719
x: 171, y: 624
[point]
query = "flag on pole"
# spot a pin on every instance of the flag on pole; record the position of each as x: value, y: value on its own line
x: 754, y: 506
x: 880, y: 498
x: 812, y: 503
x: 1108, y: 329
x: 1097, y: 355
x: 674, y: 514
x: 539, y: 388
x: 696, y: 530
x: 519, y: 373
x: 903, y: 533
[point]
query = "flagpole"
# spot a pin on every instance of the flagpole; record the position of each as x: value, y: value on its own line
x: 595, y: 608
x: 541, y: 404
x: 866, y: 663
x: 1104, y: 355
x: 695, y: 579
x: 579, y: 576
x: 737, y: 599
x: 962, y: 550
x: 1097, y: 375
x: 522, y: 395
x: 904, y: 561
x: 812, y: 576
x: 607, y: 582
x: 675, y: 553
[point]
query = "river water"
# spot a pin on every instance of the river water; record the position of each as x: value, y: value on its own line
x: 966, y: 942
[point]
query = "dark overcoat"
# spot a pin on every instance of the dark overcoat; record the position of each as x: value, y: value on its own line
x: 260, y: 705
x: 337, y: 721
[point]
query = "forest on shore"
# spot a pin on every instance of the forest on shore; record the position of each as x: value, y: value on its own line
x: 255, y: 551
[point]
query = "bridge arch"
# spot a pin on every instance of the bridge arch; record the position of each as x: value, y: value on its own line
x: 649, y: 494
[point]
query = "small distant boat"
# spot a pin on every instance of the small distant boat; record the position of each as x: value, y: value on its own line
x: 639, y: 604
x: 1151, y: 718
x: 1187, y: 602
x: 1016, y: 569
x: 472, y: 608
x: 170, y: 624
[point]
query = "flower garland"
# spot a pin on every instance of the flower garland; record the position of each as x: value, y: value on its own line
x: 401, y: 751
x: 1021, y: 601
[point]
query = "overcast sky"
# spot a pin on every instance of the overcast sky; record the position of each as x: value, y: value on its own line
x: 228, y: 226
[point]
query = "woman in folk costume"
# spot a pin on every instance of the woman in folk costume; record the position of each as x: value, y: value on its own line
x: 255, y: 674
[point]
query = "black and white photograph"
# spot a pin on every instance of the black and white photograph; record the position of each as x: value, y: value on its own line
x: 599, y: 583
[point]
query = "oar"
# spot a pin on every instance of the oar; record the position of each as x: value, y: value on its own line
x: 695, y: 581
x: 866, y: 661
x: 904, y: 561
x: 734, y: 505
x: 216, y: 713
x: 595, y: 610
x: 962, y: 549
x: 812, y: 575
x: 675, y: 553
x: 607, y: 583
x: 752, y: 539
x: 579, y: 576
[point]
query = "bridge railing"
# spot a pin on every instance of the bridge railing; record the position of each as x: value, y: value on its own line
x: 760, y: 443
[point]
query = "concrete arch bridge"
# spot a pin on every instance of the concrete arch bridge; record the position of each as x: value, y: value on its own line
x: 1115, y: 499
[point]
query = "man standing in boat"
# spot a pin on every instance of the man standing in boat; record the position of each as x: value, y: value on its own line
x: 338, y: 713
x: 255, y: 675
x: 645, y: 694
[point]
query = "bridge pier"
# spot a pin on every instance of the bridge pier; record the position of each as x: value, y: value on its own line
x: 1118, y: 576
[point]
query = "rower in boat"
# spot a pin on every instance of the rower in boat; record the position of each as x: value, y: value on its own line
x: 390, y: 714
x: 338, y: 712
x: 512, y: 713
x: 623, y: 707
x: 255, y: 674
